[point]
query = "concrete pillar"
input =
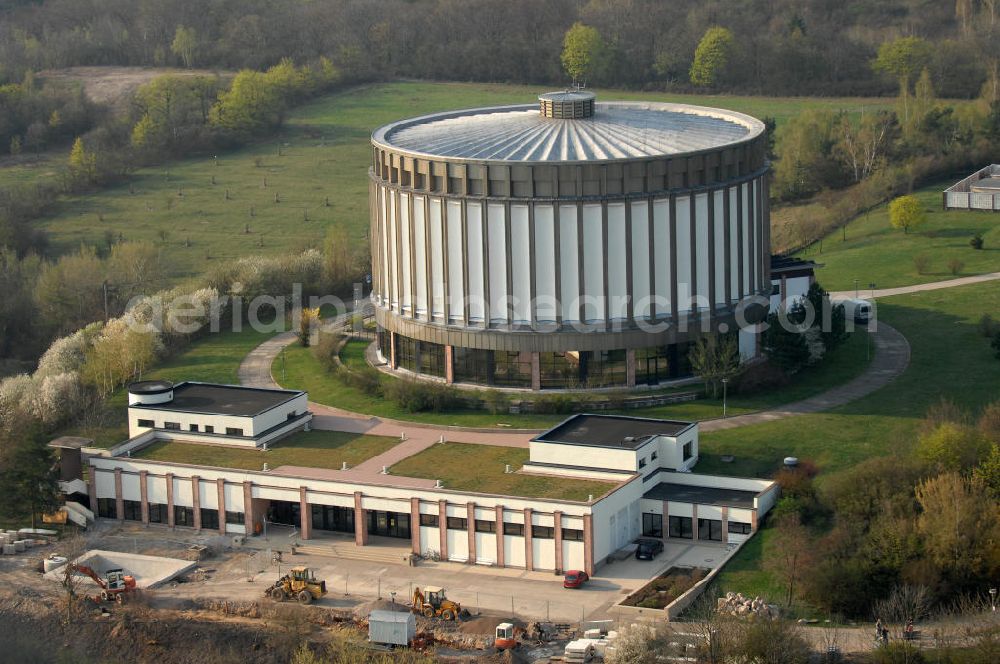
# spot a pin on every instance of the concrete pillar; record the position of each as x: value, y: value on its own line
x: 196, y: 501
x: 392, y: 351
x: 415, y: 525
x: 220, y: 487
x: 360, y: 523
x: 666, y: 519
x: 470, y: 510
x: 449, y: 364
x: 783, y: 291
x: 92, y: 489
x: 305, y: 515
x: 630, y: 367
x: 557, y: 534
x: 143, y: 499
x: 119, y: 498
x: 694, y: 522
x: 536, y: 372
x: 529, y: 549
x: 499, y: 517
x: 249, y: 518
x: 443, y: 529
x: 588, y: 544
x: 753, y: 521
x: 170, y: 499
x: 725, y: 524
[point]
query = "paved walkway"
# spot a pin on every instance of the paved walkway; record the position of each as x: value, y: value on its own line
x: 892, y: 356
x: 917, y: 288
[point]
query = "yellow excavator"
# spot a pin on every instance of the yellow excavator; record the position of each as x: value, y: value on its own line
x: 298, y: 583
x: 432, y: 603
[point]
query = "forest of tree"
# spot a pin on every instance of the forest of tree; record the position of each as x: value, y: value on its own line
x: 779, y: 47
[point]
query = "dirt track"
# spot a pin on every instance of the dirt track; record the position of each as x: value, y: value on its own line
x: 112, y: 85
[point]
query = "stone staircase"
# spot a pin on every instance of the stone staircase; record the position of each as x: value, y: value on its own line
x: 339, y: 549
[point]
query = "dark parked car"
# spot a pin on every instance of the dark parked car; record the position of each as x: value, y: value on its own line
x: 648, y: 549
x: 575, y: 579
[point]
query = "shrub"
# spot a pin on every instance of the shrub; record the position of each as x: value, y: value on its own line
x: 758, y: 377
x: 552, y: 404
x: 988, y: 326
x: 496, y: 402
x: 417, y: 396
x: 976, y: 242
x: 952, y: 447
x: 955, y: 265
x: 922, y: 263
x: 326, y: 348
x: 365, y: 379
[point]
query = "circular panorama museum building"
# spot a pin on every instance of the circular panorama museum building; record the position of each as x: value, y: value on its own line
x: 573, y: 243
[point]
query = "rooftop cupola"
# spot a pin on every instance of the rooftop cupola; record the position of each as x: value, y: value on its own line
x: 566, y: 105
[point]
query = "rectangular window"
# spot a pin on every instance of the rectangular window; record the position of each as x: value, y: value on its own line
x: 687, y: 451
x: 642, y: 462
x: 513, y: 529
x: 652, y: 525
x: 486, y: 526
x: 235, y: 517
x: 172, y: 426
x: 193, y: 427
x: 710, y: 529
x: 106, y: 508
x: 209, y: 428
x: 542, y: 532
x: 149, y: 424
x: 133, y: 510
x: 654, y: 456
x: 739, y: 528
x: 209, y: 519
x: 457, y: 523
x: 183, y: 516
x: 681, y: 526
x: 233, y: 431
x: 429, y: 520
x: 157, y: 513
x: 572, y: 535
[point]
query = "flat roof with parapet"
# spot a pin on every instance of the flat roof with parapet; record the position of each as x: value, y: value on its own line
x: 615, y: 431
x: 701, y: 495
x: 216, y: 399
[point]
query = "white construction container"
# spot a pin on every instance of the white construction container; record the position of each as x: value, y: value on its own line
x: 53, y: 562
x: 392, y: 627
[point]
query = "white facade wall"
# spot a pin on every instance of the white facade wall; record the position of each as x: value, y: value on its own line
x: 494, y: 237
x: 614, y: 524
x: 251, y: 426
x: 579, y: 455
x: 573, y: 555
x: 796, y: 289
x: 486, y: 548
x: 513, y: 551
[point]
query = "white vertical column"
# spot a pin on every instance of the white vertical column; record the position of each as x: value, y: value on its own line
x: 569, y: 269
x: 520, y: 259
x: 393, y: 223
x: 545, y: 264
x: 617, y: 263
x: 496, y: 225
x: 701, y: 222
x: 734, y: 245
x: 456, y: 259
x: 747, y: 227
x: 683, y: 253
x: 593, y: 268
x: 437, y: 258
x: 476, y: 260
x: 719, y: 250
x: 404, y: 248
x: 420, y: 256
x: 640, y: 259
x: 662, y: 255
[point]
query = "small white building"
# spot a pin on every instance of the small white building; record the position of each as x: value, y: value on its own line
x: 646, y: 464
x: 790, y: 280
x: 215, y: 414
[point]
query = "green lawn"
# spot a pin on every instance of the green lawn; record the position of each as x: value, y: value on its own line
x: 324, y: 156
x: 949, y: 358
x: 480, y: 468
x: 314, y: 449
x: 876, y: 252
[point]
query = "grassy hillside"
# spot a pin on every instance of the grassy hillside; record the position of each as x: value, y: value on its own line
x: 321, y: 155
x: 876, y: 252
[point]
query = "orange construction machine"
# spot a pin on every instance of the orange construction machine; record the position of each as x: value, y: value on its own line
x: 114, y: 584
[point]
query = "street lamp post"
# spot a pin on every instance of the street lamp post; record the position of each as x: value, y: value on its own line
x: 725, y: 381
x: 855, y: 289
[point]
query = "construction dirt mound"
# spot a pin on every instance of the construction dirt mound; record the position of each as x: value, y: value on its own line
x: 361, y: 611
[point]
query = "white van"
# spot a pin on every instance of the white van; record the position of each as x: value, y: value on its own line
x: 858, y: 309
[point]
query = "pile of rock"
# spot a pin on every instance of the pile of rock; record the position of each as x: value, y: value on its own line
x: 735, y: 604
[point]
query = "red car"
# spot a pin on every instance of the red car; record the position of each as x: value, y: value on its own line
x: 575, y: 579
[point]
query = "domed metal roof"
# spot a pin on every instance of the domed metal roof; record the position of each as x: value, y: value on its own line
x: 616, y: 131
